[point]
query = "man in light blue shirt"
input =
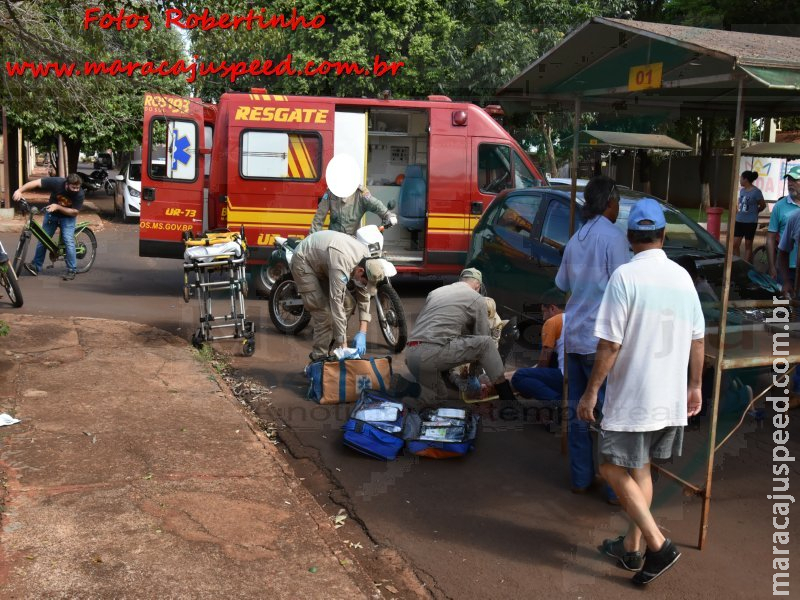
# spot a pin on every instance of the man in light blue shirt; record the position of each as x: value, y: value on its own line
x: 590, y: 257
x: 778, y: 221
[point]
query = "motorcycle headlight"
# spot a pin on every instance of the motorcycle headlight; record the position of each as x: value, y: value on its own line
x: 133, y: 192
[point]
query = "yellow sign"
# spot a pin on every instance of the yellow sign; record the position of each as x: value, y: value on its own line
x: 645, y: 77
x: 281, y: 115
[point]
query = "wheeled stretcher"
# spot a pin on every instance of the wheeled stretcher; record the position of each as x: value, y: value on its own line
x: 215, y: 263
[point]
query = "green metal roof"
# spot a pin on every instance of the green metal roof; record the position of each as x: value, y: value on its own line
x: 701, y: 69
x: 619, y: 139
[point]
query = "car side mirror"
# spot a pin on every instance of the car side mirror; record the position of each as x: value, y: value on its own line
x: 120, y: 178
x: 390, y: 204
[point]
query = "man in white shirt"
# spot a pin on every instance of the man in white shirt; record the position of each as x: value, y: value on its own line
x: 650, y: 326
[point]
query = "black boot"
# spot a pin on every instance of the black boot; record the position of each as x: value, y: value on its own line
x: 507, y: 397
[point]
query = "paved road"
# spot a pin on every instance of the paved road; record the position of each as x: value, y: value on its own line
x: 500, y: 523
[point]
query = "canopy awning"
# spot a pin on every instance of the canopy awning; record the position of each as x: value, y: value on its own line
x: 773, y: 150
x: 619, y: 139
x: 633, y: 67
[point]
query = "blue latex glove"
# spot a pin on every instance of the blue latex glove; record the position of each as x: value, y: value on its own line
x: 473, y: 386
x: 360, y: 343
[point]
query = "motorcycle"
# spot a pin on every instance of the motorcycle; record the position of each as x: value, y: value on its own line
x: 286, y: 308
x: 97, y: 180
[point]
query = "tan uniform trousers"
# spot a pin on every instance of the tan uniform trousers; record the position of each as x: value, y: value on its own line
x: 426, y: 362
x: 314, y: 292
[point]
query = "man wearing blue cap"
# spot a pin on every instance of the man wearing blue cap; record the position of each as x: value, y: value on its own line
x: 650, y: 326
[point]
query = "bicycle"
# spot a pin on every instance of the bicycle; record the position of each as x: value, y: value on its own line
x: 85, y: 242
x: 8, y: 279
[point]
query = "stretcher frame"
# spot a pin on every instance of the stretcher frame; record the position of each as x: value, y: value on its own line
x: 217, y: 273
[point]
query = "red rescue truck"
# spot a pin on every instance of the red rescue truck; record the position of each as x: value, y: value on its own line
x: 258, y: 160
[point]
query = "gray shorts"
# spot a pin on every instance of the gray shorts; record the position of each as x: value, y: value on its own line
x: 635, y: 449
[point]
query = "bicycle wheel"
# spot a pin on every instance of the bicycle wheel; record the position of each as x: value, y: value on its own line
x: 85, y: 250
x: 392, y: 317
x: 22, y: 247
x: 8, y: 279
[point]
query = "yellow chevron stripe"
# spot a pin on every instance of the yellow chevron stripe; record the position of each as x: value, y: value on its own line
x: 252, y: 217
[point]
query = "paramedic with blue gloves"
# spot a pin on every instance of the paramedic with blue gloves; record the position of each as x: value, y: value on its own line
x: 323, y: 265
x: 453, y: 329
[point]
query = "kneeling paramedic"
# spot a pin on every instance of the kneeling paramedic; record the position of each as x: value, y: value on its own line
x: 324, y: 263
x: 453, y: 329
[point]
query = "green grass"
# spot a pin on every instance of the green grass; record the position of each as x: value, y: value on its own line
x: 699, y: 216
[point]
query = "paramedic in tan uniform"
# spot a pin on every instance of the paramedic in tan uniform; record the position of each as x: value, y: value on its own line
x: 346, y: 213
x: 452, y: 329
x: 322, y: 266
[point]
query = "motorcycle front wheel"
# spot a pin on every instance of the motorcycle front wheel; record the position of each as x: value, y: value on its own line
x: 8, y: 279
x: 392, y: 317
x: 286, y: 308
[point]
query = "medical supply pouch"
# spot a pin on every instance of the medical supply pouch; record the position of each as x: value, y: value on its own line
x: 375, y: 426
x: 441, y: 432
x: 339, y: 381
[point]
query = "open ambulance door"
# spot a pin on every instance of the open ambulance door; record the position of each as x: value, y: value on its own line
x: 175, y: 149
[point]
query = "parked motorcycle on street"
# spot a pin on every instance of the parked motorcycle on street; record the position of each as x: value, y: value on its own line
x: 286, y: 308
x: 97, y: 180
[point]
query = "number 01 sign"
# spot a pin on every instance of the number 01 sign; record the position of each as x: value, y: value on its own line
x: 645, y: 77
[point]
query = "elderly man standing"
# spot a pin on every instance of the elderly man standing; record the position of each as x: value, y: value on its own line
x: 590, y: 257
x: 453, y: 329
x: 322, y: 266
x: 650, y: 325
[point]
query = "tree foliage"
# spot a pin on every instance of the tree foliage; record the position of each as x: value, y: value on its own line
x: 99, y: 112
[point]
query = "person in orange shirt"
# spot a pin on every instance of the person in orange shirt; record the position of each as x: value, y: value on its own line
x: 543, y: 381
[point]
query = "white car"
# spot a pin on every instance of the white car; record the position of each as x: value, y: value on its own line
x: 127, y: 197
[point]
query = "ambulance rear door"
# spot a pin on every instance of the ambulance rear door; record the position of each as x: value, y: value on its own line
x: 173, y: 167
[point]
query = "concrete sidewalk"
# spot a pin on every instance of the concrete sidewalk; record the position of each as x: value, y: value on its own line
x: 135, y: 473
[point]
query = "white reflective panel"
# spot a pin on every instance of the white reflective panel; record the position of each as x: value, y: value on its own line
x: 209, y: 143
x: 182, y: 150
x: 265, y: 154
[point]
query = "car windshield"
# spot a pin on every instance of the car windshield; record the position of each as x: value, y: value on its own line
x: 681, y: 231
x: 135, y: 172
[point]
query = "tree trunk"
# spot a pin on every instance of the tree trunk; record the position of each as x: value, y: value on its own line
x: 547, y: 131
x: 73, y: 152
x: 707, y: 135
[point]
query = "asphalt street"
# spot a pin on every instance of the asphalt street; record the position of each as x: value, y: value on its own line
x: 500, y: 523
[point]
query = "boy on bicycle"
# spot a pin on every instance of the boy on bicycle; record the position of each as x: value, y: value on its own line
x: 66, y: 200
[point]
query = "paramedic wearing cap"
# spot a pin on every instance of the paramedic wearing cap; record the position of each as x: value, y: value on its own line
x: 322, y: 266
x: 590, y: 257
x: 650, y: 327
x: 453, y: 329
x: 782, y: 211
x: 346, y: 213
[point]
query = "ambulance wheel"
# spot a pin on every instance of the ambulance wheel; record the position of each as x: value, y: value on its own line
x: 286, y: 308
x: 248, y: 347
x: 267, y: 275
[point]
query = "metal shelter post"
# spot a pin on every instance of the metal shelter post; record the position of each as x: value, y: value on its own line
x: 726, y: 285
x: 573, y: 196
x: 669, y: 171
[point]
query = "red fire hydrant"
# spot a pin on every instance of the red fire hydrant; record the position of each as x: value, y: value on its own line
x: 714, y: 220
